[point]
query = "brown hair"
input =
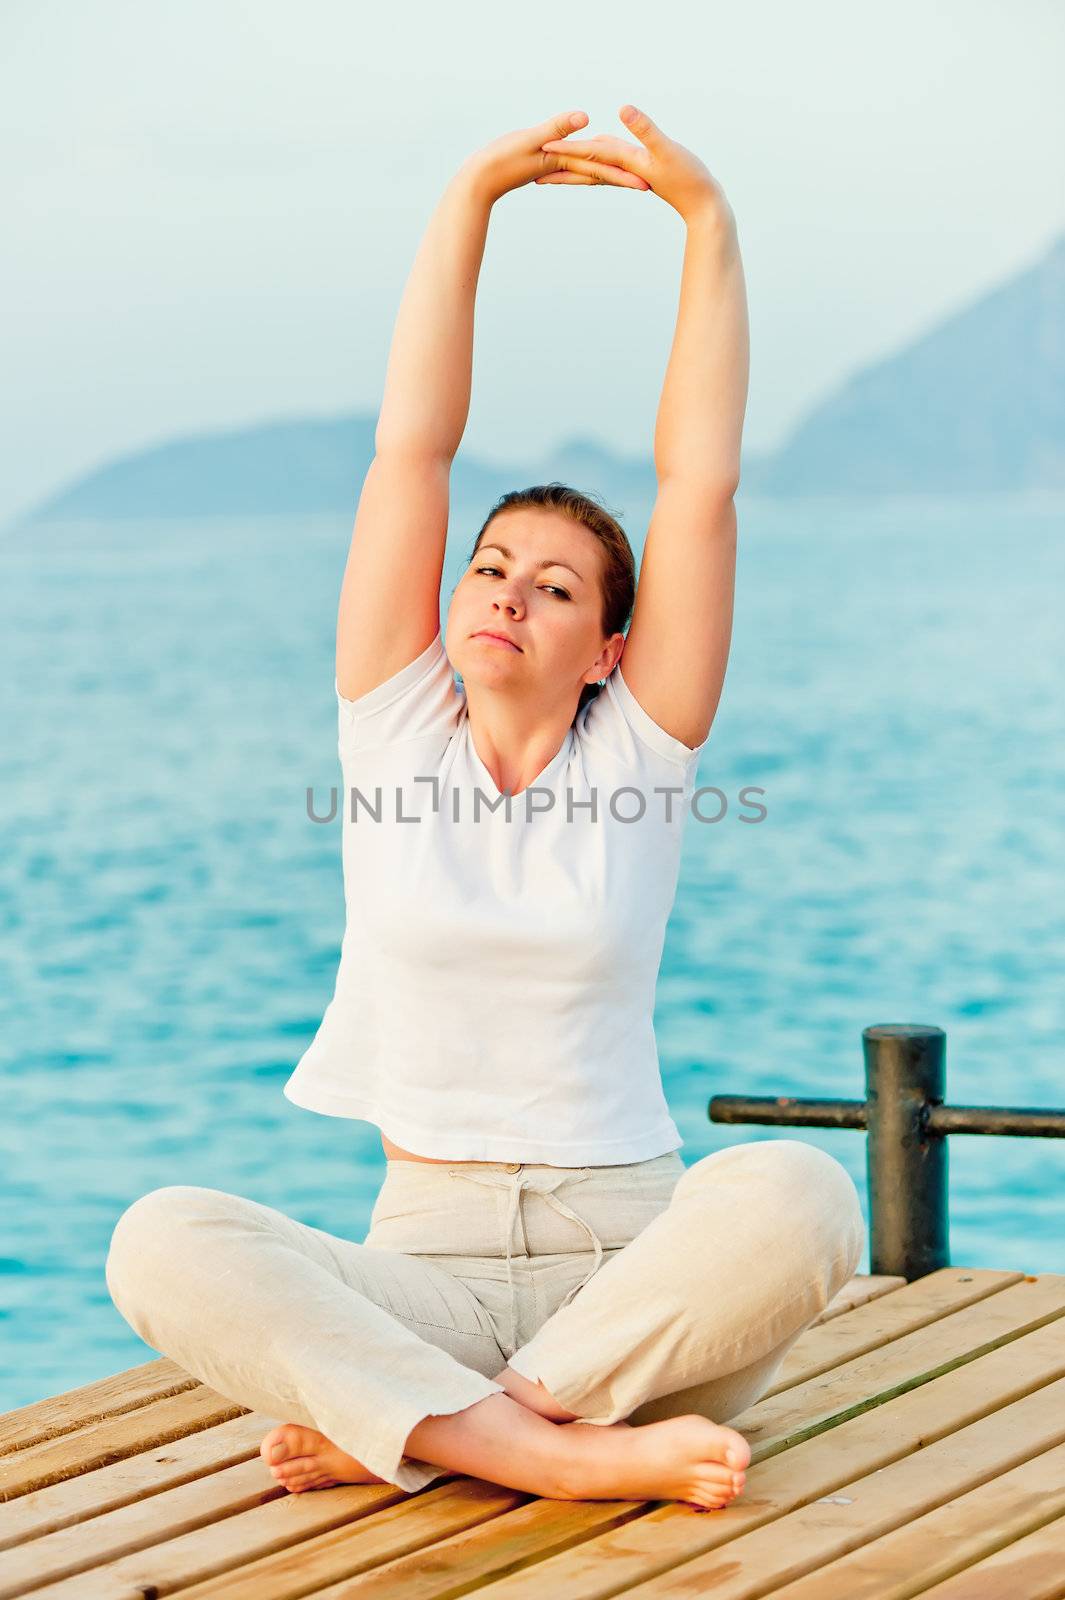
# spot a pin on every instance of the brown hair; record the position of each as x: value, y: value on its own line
x: 618, y: 584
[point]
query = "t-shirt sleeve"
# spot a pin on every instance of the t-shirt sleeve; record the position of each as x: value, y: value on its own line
x: 616, y: 719
x: 417, y: 702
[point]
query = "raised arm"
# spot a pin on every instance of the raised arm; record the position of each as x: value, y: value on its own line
x: 677, y: 646
x: 390, y: 596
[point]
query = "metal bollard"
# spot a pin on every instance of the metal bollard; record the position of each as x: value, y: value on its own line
x: 906, y: 1163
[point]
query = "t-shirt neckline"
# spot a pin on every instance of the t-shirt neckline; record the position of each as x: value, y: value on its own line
x: 561, y: 754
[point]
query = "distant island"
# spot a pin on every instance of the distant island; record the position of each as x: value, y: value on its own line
x: 976, y: 404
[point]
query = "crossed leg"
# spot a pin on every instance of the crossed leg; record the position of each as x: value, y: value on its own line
x: 387, y: 1354
x: 684, y: 1458
x: 294, y: 1322
x: 686, y: 1325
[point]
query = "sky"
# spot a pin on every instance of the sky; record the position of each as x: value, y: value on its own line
x: 212, y: 207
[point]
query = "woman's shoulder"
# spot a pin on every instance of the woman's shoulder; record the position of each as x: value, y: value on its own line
x: 420, y: 700
x: 615, y: 724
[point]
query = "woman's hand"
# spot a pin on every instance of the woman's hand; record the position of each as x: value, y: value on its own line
x: 518, y: 158
x: 673, y: 172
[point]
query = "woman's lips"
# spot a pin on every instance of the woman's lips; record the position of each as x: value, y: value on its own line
x: 496, y: 638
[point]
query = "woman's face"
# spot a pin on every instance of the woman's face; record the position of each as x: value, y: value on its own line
x: 541, y: 590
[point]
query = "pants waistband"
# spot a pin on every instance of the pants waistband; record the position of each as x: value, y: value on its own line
x: 425, y: 1208
x: 622, y: 1168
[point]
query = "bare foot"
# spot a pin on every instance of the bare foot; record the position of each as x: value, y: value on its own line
x: 685, y: 1458
x: 682, y: 1458
x: 302, y: 1458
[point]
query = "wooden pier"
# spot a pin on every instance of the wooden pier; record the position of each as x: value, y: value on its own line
x: 914, y: 1444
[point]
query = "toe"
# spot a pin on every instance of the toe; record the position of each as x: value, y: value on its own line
x: 717, y: 1488
x: 712, y: 1472
x: 281, y: 1444
x: 272, y: 1448
x: 309, y: 1480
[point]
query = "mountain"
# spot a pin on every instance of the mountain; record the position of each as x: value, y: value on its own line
x: 303, y: 467
x: 299, y: 466
x: 976, y: 404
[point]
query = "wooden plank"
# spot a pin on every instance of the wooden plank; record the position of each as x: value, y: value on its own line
x: 364, y: 1560
x: 831, y: 1397
x: 135, y: 1526
x: 92, y: 1402
x: 946, y: 1540
x: 226, y: 1547
x: 1031, y: 1569
x: 917, y: 1305
x: 70, y: 1454
x: 138, y: 1526
x: 897, y: 1498
x: 61, y: 1505
x: 823, y: 1465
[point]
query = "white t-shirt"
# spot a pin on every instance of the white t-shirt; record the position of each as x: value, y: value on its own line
x: 495, y: 994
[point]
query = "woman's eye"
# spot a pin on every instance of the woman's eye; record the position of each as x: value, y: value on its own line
x: 551, y: 588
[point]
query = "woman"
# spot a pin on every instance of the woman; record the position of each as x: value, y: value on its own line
x: 493, y: 1008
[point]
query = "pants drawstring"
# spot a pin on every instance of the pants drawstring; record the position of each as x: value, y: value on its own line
x: 543, y: 1185
x: 563, y: 1209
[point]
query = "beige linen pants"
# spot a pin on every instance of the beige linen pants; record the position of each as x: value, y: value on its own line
x: 632, y: 1292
